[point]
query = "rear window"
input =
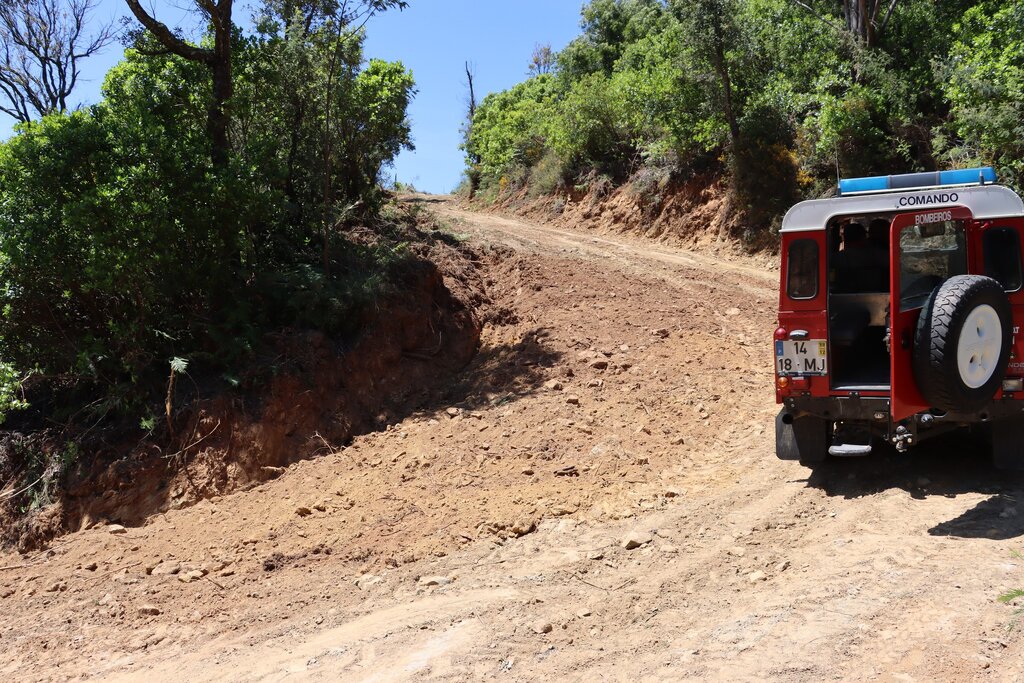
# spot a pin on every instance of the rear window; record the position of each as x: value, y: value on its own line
x: 930, y: 254
x: 802, y: 273
x: 1002, y: 257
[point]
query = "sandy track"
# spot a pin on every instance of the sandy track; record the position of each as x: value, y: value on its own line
x: 622, y: 252
x: 621, y: 389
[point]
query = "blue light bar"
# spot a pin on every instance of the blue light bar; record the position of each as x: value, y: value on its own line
x: 965, y: 176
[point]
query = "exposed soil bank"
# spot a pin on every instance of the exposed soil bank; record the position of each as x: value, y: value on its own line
x: 697, y: 213
x: 321, y: 392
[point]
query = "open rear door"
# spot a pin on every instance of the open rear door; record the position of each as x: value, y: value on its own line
x: 910, y: 285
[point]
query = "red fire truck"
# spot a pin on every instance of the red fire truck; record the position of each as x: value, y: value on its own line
x: 899, y: 310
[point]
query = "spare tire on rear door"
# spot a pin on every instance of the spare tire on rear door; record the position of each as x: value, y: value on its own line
x: 962, y: 343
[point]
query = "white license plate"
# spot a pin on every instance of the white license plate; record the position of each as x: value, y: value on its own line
x: 801, y: 357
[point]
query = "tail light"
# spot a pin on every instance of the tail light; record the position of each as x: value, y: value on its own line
x: 793, y: 384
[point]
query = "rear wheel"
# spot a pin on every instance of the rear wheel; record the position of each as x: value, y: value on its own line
x: 805, y: 438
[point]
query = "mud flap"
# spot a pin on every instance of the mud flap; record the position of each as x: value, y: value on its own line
x: 1008, y: 444
x: 803, y: 438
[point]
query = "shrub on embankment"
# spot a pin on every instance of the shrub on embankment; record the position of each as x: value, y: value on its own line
x: 133, y: 250
x: 776, y: 97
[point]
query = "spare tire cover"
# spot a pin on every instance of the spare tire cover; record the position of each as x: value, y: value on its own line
x: 962, y: 343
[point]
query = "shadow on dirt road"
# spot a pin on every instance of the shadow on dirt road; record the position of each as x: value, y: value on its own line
x: 949, y: 468
x: 500, y: 374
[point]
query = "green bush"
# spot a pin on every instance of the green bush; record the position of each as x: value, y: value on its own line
x: 122, y: 246
x: 548, y: 176
x: 652, y: 84
x: 510, y: 128
x: 591, y: 131
x: 985, y: 85
x: 98, y: 267
x: 764, y: 167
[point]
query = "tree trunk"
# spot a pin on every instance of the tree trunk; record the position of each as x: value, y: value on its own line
x: 862, y: 18
x: 298, y: 117
x: 722, y: 69
x: 218, y: 60
x: 474, y: 160
x: 219, y: 118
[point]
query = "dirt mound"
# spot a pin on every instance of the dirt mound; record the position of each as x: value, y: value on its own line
x: 321, y: 393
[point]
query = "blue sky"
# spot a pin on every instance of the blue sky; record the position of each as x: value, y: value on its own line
x: 433, y: 38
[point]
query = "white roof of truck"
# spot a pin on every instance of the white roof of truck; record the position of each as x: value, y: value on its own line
x: 983, y: 201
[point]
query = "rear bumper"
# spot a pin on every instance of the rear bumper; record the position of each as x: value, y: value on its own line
x: 876, y: 409
x: 839, y: 408
x: 873, y: 413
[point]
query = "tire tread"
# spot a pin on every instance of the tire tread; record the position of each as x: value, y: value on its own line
x: 937, y: 335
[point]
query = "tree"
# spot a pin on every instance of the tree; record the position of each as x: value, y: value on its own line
x: 472, y: 158
x: 112, y: 225
x: 471, y: 97
x: 217, y: 59
x: 314, y: 14
x: 863, y: 18
x: 542, y: 61
x: 713, y: 34
x: 608, y: 26
x: 343, y: 19
x: 42, y: 43
x: 217, y: 13
x: 984, y: 81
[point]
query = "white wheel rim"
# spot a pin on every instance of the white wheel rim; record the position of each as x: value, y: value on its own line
x: 981, y: 341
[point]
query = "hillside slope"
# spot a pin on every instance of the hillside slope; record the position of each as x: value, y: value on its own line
x: 595, y: 498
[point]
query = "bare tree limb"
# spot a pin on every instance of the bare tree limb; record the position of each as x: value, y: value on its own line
x: 167, y: 38
x: 542, y: 61
x: 888, y: 15
x: 42, y: 43
x: 817, y: 15
x: 472, y: 93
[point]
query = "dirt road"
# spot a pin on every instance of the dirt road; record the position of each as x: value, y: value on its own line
x: 597, y: 499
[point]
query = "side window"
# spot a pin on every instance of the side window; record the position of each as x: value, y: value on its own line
x: 1002, y: 257
x: 802, y: 271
